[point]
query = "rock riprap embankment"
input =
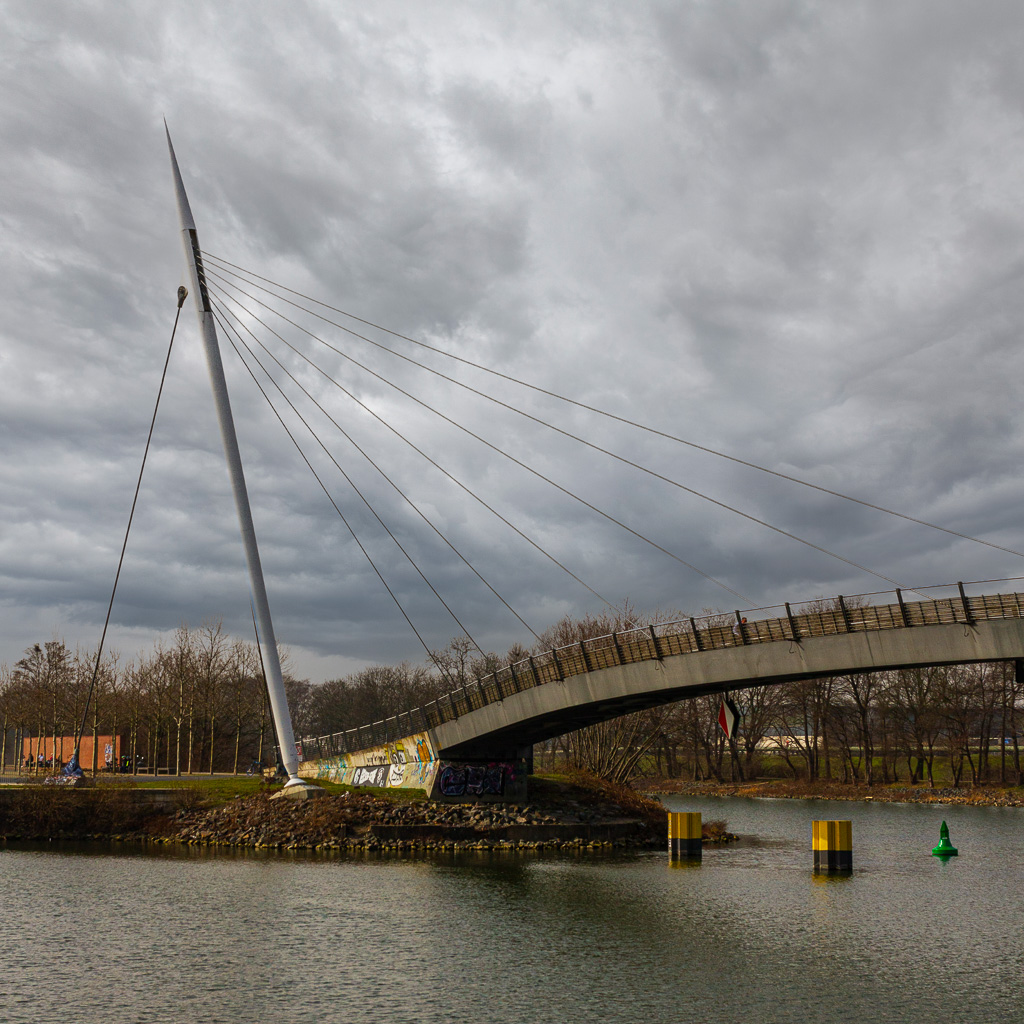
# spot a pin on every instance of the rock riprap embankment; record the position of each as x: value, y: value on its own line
x: 362, y: 821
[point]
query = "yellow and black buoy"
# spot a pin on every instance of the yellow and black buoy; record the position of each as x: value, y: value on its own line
x: 685, y: 834
x: 945, y: 848
x: 832, y: 842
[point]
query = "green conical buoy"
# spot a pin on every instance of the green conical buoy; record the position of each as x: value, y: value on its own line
x: 945, y: 847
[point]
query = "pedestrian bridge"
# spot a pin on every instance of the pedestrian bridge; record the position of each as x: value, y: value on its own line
x: 499, y: 717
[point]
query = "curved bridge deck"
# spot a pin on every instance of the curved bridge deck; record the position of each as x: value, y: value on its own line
x: 596, y: 679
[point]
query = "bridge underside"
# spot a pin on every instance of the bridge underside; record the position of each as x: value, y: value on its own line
x: 509, y: 728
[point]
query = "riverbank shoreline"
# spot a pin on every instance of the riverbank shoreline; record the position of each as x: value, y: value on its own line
x: 571, y: 815
x: 975, y: 796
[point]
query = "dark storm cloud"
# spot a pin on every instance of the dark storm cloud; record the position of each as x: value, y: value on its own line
x: 789, y: 231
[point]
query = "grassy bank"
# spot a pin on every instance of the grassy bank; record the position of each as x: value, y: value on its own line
x: 219, y: 790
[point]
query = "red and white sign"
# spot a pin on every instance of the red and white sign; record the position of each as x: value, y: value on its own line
x: 728, y: 717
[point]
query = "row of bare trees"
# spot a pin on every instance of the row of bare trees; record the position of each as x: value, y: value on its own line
x: 196, y: 704
x: 939, y: 725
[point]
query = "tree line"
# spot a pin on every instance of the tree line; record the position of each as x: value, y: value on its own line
x: 938, y: 725
x: 196, y: 704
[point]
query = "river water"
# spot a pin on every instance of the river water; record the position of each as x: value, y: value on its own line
x: 96, y: 933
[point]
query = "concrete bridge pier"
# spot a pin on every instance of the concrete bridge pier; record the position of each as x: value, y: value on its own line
x: 498, y: 781
x: 495, y: 775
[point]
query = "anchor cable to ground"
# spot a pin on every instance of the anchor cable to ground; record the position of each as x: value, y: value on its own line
x: 73, y: 763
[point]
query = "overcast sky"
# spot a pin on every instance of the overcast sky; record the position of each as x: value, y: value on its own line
x: 792, y: 232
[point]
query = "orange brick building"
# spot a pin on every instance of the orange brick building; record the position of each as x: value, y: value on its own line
x: 34, y: 746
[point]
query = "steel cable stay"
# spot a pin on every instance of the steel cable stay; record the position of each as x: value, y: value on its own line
x: 578, y: 404
x: 348, y: 525
x: 228, y: 331
x: 227, y: 312
x: 689, y: 490
x: 419, y: 451
x: 483, y: 441
x: 604, y: 451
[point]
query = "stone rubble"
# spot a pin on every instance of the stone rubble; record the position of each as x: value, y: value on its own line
x: 351, y: 822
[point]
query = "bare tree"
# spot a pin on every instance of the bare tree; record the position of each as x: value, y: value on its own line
x: 612, y: 750
x: 760, y: 707
x: 917, y: 719
x: 802, y: 718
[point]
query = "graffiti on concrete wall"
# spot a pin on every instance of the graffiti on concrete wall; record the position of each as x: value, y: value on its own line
x: 454, y: 779
x: 421, y: 775
x: 375, y: 775
x: 475, y: 779
x: 424, y: 751
x: 409, y: 763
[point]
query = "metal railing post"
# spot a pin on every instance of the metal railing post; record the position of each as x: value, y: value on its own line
x: 586, y: 660
x: 696, y: 635
x: 792, y: 623
x: 618, y: 649
x: 846, y: 614
x: 654, y: 641
x: 967, y: 608
x: 903, y: 608
x: 558, y: 667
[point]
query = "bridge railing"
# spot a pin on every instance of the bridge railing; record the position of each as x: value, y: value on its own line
x: 786, y: 622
